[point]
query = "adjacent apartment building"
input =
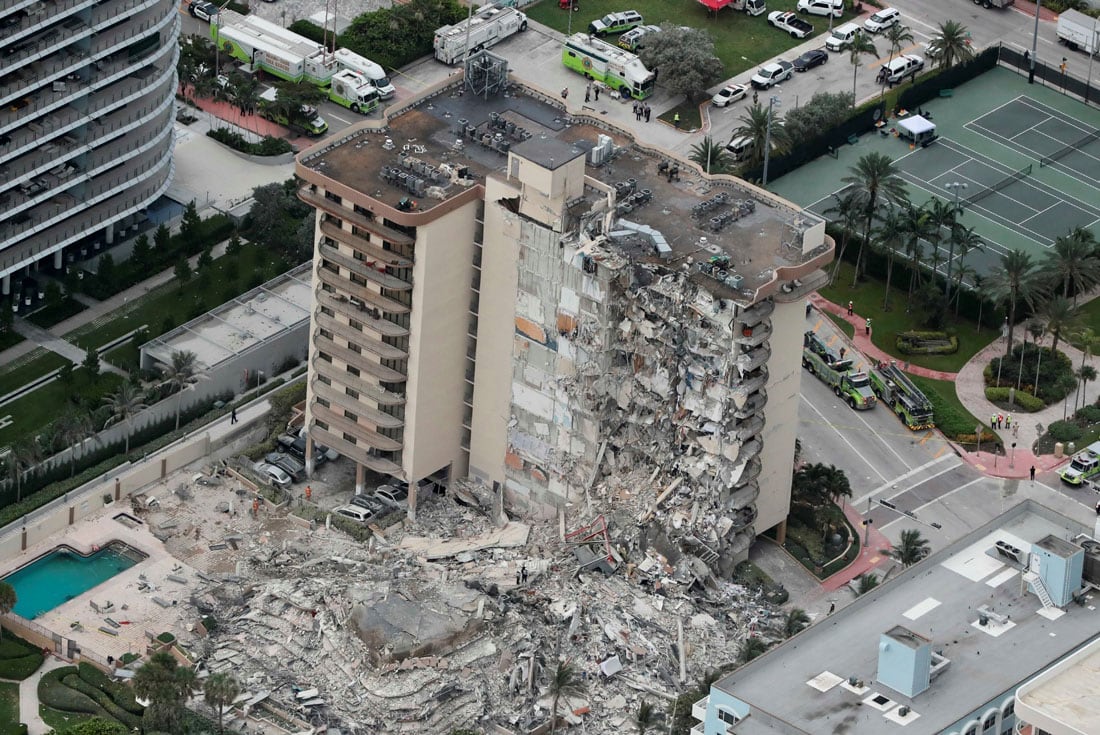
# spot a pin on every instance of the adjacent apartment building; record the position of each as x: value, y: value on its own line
x: 509, y: 291
x: 86, y: 116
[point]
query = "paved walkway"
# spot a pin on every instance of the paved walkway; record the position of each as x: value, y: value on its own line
x: 28, y: 697
x: 68, y: 350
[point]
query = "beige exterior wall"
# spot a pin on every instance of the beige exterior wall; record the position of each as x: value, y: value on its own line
x: 496, y: 335
x: 439, y: 325
x: 781, y: 414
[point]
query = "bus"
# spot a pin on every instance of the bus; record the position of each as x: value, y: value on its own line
x: 618, y: 69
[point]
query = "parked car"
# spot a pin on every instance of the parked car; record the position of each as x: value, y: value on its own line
x: 296, y: 446
x: 272, y: 474
x: 728, y: 94
x: 287, y: 464
x: 906, y: 65
x: 842, y: 37
x: 392, y: 496
x: 821, y: 7
x: 632, y: 39
x: 790, y: 23
x: 810, y: 59
x: 369, y: 502
x: 203, y: 10
x: 772, y: 74
x: 355, y: 513
x: 615, y: 23
x: 882, y: 20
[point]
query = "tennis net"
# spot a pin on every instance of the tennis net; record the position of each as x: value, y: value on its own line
x: 1006, y: 181
x: 1047, y: 160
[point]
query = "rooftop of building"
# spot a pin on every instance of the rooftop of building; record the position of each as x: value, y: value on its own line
x: 805, y: 681
x: 241, y: 323
x: 1068, y: 693
x: 452, y: 140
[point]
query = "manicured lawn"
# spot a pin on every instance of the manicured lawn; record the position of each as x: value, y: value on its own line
x: 1089, y: 315
x: 40, y: 407
x: 690, y: 119
x: 40, y: 362
x: 952, y: 417
x: 48, y: 316
x: 868, y: 297
x: 126, y: 356
x: 9, y: 339
x: 9, y: 707
x: 741, y: 41
x: 60, y: 720
x: 843, y: 325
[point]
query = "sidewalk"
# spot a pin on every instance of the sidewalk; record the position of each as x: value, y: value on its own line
x: 28, y: 697
x: 1027, y: 8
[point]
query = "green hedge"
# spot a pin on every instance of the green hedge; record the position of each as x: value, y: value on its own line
x: 309, y: 29
x: 955, y: 423
x: 268, y: 145
x: 1024, y: 400
x: 122, y: 694
x: 20, y: 668
x: 1065, y: 431
x: 102, y: 699
x: 53, y: 693
x: 910, y: 343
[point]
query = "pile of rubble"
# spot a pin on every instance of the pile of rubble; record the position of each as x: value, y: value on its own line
x: 460, y: 622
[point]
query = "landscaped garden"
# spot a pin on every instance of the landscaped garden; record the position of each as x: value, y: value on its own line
x: 818, y: 534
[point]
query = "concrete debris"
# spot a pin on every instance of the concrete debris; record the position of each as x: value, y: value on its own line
x: 461, y: 619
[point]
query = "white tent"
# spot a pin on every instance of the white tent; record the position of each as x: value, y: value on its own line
x: 917, y: 129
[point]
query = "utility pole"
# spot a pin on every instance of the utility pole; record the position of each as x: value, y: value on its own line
x: 1034, y: 44
x: 773, y: 102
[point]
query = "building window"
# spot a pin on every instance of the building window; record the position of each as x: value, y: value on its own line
x: 364, y: 212
x: 326, y: 334
x: 327, y: 311
x: 323, y: 356
x: 322, y: 379
x: 352, y: 393
x: 727, y: 717
x: 348, y: 437
x: 323, y: 402
x: 1009, y: 709
x: 333, y: 197
x: 350, y: 416
x: 989, y: 722
x: 320, y: 424
x: 357, y: 326
x: 353, y: 371
x: 972, y: 730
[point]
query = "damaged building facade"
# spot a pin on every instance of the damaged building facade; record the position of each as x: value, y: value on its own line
x: 531, y: 298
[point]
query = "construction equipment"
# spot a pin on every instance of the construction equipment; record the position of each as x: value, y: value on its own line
x: 896, y: 390
x: 833, y: 370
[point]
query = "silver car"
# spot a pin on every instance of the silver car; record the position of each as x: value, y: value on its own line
x: 272, y: 474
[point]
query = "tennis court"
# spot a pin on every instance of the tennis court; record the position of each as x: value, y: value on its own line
x: 1049, y: 136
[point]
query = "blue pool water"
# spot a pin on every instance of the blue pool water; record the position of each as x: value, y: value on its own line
x: 63, y: 574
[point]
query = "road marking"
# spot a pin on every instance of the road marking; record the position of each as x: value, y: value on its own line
x: 943, y: 449
x: 902, y: 516
x: 900, y: 478
x: 927, y: 479
x: 927, y: 435
x: 844, y: 438
x: 337, y: 117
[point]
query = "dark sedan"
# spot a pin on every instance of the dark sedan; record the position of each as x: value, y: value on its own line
x: 810, y: 59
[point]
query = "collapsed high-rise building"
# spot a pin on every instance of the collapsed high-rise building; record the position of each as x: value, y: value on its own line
x: 523, y: 294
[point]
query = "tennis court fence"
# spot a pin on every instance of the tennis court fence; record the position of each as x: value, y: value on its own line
x: 1050, y: 75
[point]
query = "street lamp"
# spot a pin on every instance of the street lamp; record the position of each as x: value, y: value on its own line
x: 1063, y: 68
x: 773, y: 102
x: 1034, y: 44
x: 956, y: 187
x: 1092, y: 55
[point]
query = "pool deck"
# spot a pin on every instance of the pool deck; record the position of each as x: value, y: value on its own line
x: 137, y: 608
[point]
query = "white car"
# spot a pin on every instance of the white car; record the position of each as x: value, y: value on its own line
x: 772, y: 74
x: 202, y: 10
x: 272, y: 474
x: 728, y: 94
x: 355, y: 513
x: 882, y: 20
x: 392, y: 496
x: 821, y: 7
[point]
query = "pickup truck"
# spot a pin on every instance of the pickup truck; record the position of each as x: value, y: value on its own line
x: 790, y: 23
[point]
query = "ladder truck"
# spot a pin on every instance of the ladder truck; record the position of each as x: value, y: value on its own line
x: 851, y: 386
x: 896, y: 390
x: 487, y: 27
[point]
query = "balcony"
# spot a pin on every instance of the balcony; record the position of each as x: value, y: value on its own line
x: 362, y: 434
x: 754, y: 358
x: 351, y: 216
x: 743, y: 518
x: 337, y: 397
x: 744, y: 497
x: 367, y: 390
x: 363, y: 269
x: 749, y: 384
x: 374, y: 346
x: 750, y: 450
x: 361, y: 313
x: 754, y: 405
x: 756, y: 313
x: 749, y: 428
x: 751, y: 336
x: 348, y: 287
x: 364, y: 245
x: 358, y: 360
x: 751, y: 472
x: 699, y: 709
x: 354, y: 452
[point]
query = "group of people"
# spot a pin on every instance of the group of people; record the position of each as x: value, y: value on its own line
x: 641, y: 109
x: 999, y: 421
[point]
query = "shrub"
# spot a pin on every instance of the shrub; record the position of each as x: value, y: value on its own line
x: 268, y: 146
x: 121, y: 694
x: 1089, y: 414
x: 927, y: 343
x: 1065, y: 431
x: 20, y: 668
x: 102, y: 699
x: 53, y: 693
x: 1052, y: 373
x: 1024, y: 401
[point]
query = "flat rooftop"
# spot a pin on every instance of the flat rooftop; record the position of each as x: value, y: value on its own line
x: 239, y: 324
x: 453, y: 131
x: 1069, y: 694
x: 804, y: 681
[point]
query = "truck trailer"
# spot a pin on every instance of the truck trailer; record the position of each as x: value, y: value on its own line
x: 268, y: 47
x: 618, y: 69
x: 836, y: 372
x: 487, y: 27
x: 353, y: 91
x: 1078, y: 31
x: 994, y: 3
x: 374, y: 73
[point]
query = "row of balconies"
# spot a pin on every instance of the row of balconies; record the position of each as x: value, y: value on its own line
x: 344, y: 285
x: 751, y: 382
x: 363, y: 222
x: 47, y: 156
x: 756, y: 313
x: 361, y: 312
x: 754, y: 405
x: 72, y: 129
x: 357, y: 359
x: 364, y: 387
x: 143, y: 190
x: 754, y: 358
x: 55, y: 181
x: 336, y: 396
x: 50, y: 9
x: 368, y: 342
x: 754, y: 335
x: 363, y: 269
x: 119, y: 176
x: 366, y: 456
x: 364, y: 246
x: 336, y: 419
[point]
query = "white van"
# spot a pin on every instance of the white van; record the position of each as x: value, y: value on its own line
x: 740, y: 148
x: 821, y: 7
x: 882, y: 20
x: 907, y: 65
x: 842, y: 37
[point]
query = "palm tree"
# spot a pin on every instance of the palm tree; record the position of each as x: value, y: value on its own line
x: 965, y: 239
x: 941, y: 218
x: 1058, y: 314
x: 911, y: 547
x: 7, y: 601
x: 898, y: 35
x: 564, y: 683
x: 1073, y: 263
x: 861, y: 45
x: 1038, y: 329
x: 167, y: 686
x: 1087, y: 339
x: 1086, y: 374
x: 751, y: 648
x: 179, y: 374
x: 818, y: 483
x: 795, y: 622
x: 754, y: 126
x: 646, y: 717
x: 25, y: 454
x: 1014, y: 281
x: 873, y: 180
x: 952, y: 44
x: 866, y: 583
x: 711, y: 156
x: 123, y: 405
x: 917, y: 226
x: 848, y: 213
x: 220, y: 691
x: 889, y: 236
x: 74, y: 429
x: 965, y: 272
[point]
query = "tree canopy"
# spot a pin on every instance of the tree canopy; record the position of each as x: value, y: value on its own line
x: 684, y: 59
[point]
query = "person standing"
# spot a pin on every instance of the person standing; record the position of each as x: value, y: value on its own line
x: 647, y: 111
x: 851, y: 307
x: 564, y: 92
x: 1008, y: 421
x: 596, y: 91
x: 1033, y: 473
x: 233, y: 415
x: 867, y: 327
x: 588, y: 92
x: 676, y: 120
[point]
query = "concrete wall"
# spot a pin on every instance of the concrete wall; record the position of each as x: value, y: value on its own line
x: 439, y: 323
x: 781, y: 414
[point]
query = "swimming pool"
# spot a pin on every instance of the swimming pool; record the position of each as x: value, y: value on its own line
x: 62, y: 574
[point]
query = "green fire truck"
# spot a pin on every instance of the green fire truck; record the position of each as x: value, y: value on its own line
x: 852, y: 386
x: 896, y: 390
